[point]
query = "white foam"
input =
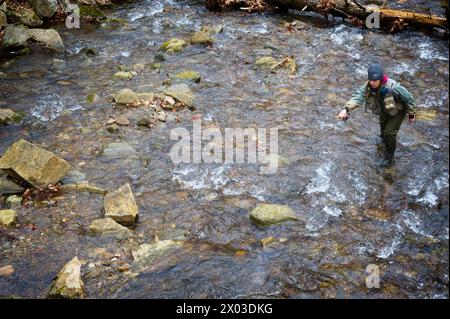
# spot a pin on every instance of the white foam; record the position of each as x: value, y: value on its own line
x: 429, y: 198
x: 333, y: 211
x: 387, y: 251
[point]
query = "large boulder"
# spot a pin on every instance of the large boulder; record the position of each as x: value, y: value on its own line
x: 107, y: 227
x: 15, y: 36
x: 49, y: 37
x: 182, y: 93
x: 24, y: 15
x: 121, y: 206
x: 34, y: 164
x: 8, y: 116
x: 44, y: 8
x: 68, y: 283
x: 8, y: 217
x: 268, y: 214
x: 18, y: 35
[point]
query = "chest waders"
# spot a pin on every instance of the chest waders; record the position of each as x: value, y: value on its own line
x: 391, y: 113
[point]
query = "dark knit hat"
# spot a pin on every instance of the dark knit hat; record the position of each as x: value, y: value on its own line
x: 375, y: 72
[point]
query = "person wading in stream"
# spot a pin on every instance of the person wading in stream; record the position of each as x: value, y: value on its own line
x: 387, y: 99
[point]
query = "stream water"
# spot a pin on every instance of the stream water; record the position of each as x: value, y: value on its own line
x: 353, y: 212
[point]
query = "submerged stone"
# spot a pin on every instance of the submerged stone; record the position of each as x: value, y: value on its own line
x: 268, y: 214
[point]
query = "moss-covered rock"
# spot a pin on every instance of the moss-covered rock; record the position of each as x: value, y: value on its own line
x: 173, y: 45
x: 8, y: 116
x: 189, y: 75
x: 124, y: 75
x: 266, y: 62
x: 8, y: 217
x: 23, y: 15
x: 126, y: 96
x: 202, y: 37
x: 91, y: 12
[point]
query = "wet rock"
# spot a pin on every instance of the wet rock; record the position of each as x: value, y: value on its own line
x: 34, y: 164
x: 83, y: 187
x: 282, y: 161
x: 160, y: 57
x: 13, y: 201
x: 8, y: 217
x: 68, y: 283
x: 139, y: 67
x: 120, y: 150
x: 7, y: 186
x: 92, y: 12
x: 114, y: 129
x: 268, y: 214
x: 202, y: 37
x: 121, y: 206
x: 49, y: 37
x: 44, y: 8
x: 73, y: 177
x: 215, y: 29
x: 126, y: 96
x: 92, y: 98
x: 8, y: 116
x: 272, y: 46
x: 266, y: 62
x: 58, y: 65
x: 189, y: 75
x: 123, y: 121
x: 173, y: 45
x: 124, y: 75
x: 6, y: 271
x: 107, y: 227
x: 23, y: 15
x: 161, y: 116
x: 3, y: 20
x: 146, y: 253
x: 15, y: 36
x: 182, y: 93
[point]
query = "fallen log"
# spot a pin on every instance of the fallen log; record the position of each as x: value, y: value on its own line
x: 389, y: 19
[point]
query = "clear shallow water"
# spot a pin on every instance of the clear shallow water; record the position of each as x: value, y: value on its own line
x: 353, y: 213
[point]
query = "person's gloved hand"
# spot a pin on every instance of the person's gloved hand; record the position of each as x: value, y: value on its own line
x: 411, y: 118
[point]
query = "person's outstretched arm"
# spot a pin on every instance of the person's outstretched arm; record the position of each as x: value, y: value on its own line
x: 358, y: 99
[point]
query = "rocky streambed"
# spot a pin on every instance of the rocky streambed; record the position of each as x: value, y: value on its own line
x: 120, y: 219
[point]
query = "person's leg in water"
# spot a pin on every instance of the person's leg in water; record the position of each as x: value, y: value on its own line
x: 390, y: 130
